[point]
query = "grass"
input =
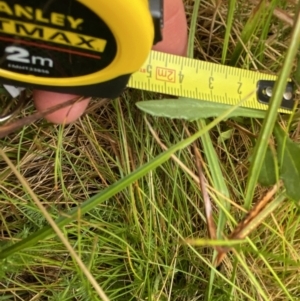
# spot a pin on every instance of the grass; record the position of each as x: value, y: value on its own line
x: 137, y: 206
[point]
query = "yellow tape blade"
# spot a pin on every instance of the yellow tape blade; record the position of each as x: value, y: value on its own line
x: 184, y: 77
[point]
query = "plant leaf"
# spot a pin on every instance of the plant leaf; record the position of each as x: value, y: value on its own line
x: 3, y: 91
x: 193, y: 109
x: 109, y: 192
x: 255, y: 20
x: 267, y: 176
x: 289, y: 160
x: 225, y: 136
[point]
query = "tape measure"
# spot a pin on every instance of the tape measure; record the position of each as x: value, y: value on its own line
x: 84, y: 47
x: 180, y: 76
x: 92, y: 48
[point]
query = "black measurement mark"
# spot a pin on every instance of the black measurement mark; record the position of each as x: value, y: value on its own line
x: 240, y: 84
x: 181, y: 77
x: 210, y: 82
x: 149, y: 71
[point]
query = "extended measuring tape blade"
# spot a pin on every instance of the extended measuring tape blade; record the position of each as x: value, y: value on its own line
x: 184, y: 77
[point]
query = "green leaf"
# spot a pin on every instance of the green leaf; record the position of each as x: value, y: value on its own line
x: 254, y: 22
x: 225, y: 136
x: 110, y: 191
x: 271, y: 115
x: 3, y: 91
x: 193, y: 109
x: 267, y: 176
x: 289, y: 160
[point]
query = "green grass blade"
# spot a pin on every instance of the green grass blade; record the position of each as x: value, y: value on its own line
x: 267, y: 23
x: 229, y: 22
x: 192, y: 31
x: 110, y: 191
x: 211, y: 156
x: 269, y: 122
x: 248, y: 31
x: 268, y: 210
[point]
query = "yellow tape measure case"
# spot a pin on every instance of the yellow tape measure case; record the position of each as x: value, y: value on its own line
x: 87, y: 47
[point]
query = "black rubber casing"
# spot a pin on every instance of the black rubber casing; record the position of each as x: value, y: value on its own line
x: 111, y: 88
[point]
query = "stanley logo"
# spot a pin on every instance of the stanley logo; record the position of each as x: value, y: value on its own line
x: 49, y: 34
x: 46, y: 33
x: 36, y: 14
